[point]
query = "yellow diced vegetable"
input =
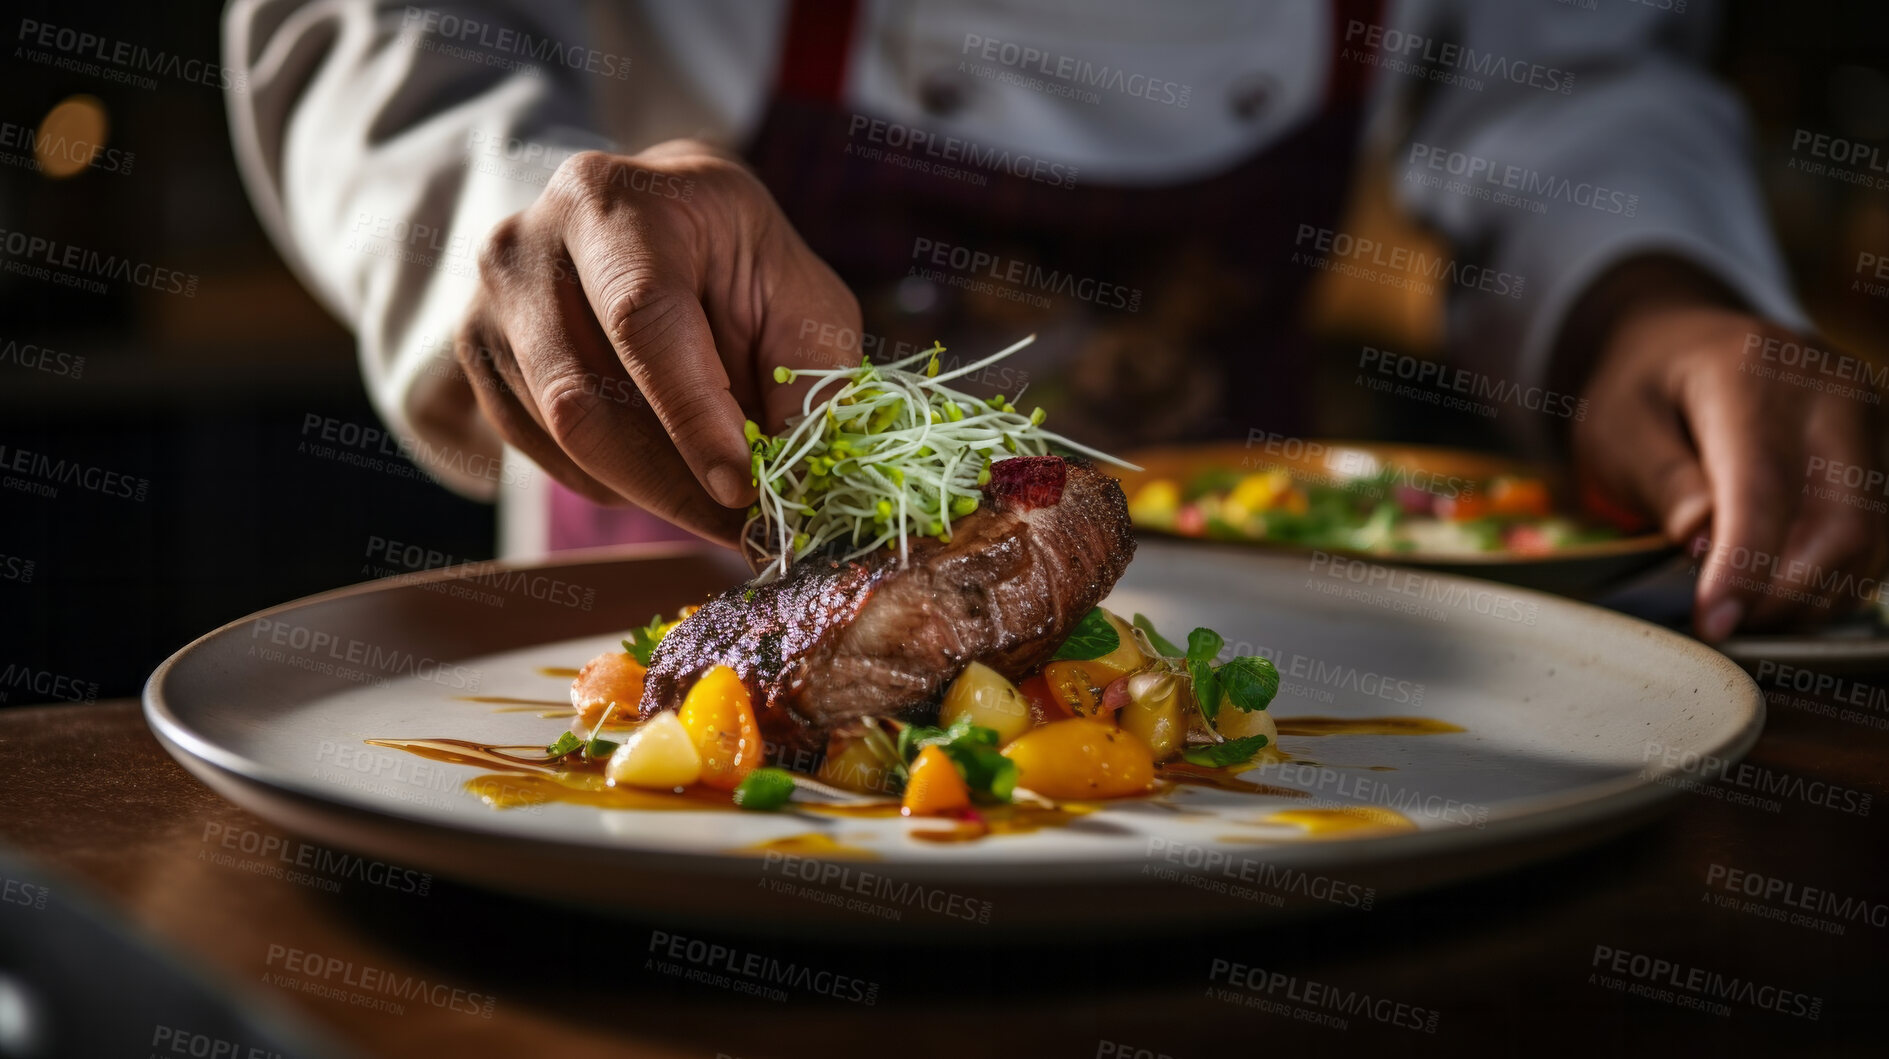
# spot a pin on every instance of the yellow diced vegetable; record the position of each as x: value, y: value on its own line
x: 983, y: 695
x: 1234, y: 723
x: 1081, y: 758
x: 718, y: 714
x: 935, y: 787
x: 1155, y: 503
x: 1257, y: 492
x: 852, y: 764
x: 659, y: 755
x: 1127, y: 656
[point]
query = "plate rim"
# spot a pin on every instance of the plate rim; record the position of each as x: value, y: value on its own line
x: 1538, y: 815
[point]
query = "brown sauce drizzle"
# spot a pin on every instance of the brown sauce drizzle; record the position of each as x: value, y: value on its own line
x: 558, y: 672
x: 520, y: 789
x: 524, y: 777
x: 507, y: 700
x: 1364, y: 726
x: 1186, y: 774
x: 465, y: 752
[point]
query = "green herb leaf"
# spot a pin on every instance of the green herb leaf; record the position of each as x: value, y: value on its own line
x: 567, y: 743
x: 598, y: 747
x: 990, y: 775
x: 1159, y: 642
x: 1093, y: 637
x: 1203, y: 645
x: 916, y: 737
x: 1206, y: 689
x: 1231, y: 752
x: 765, y: 790
x: 642, y: 642
x: 973, y: 749
x: 1248, y: 682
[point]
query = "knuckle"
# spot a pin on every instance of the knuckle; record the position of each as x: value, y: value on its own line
x: 476, y: 350
x: 499, y: 252
x: 582, y: 176
x: 637, y: 312
x: 689, y: 411
x: 568, y: 406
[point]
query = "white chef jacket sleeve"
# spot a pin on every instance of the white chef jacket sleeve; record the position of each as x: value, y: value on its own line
x: 1609, y: 140
x: 381, y: 141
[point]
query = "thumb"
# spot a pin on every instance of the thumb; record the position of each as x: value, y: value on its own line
x: 1646, y: 461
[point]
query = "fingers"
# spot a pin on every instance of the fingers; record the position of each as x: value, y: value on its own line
x: 597, y: 419
x: 1709, y: 447
x: 487, y: 363
x: 637, y: 330
x: 1638, y: 449
x: 1840, y: 542
x: 641, y: 287
x: 1662, y: 471
x: 547, y: 380
x: 1745, y: 453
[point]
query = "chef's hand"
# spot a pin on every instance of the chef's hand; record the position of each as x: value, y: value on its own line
x: 1684, y: 425
x: 630, y: 320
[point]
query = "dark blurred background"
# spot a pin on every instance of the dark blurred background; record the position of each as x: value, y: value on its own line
x: 195, y: 398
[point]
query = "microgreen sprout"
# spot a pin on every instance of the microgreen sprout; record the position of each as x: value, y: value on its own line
x: 880, y: 452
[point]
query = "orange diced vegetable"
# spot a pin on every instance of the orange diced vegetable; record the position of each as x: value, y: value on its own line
x: 1079, y: 685
x: 1043, y: 705
x: 719, y: 716
x: 612, y: 676
x: 1462, y: 507
x: 935, y: 787
x: 1519, y: 496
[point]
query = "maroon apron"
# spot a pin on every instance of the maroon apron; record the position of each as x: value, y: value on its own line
x: 1208, y: 344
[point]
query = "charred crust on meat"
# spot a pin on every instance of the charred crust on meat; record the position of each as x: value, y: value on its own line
x: 833, y: 642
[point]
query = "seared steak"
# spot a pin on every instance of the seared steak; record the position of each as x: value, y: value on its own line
x: 832, y: 642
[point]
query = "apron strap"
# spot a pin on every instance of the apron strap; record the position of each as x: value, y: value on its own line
x: 815, y: 49
x: 1347, y: 82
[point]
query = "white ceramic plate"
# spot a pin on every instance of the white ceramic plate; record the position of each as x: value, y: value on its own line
x: 1575, y: 722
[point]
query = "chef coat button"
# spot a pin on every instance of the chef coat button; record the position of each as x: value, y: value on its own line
x: 1251, y: 95
x: 940, y: 94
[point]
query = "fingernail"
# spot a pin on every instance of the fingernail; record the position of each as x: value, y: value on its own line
x: 1720, y: 619
x: 728, y: 483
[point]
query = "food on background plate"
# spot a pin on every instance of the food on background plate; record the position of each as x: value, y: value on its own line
x: 1381, y: 513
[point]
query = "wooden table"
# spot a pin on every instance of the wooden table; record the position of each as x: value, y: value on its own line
x: 1537, y: 960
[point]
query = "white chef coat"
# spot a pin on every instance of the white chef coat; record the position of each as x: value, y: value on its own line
x: 381, y: 141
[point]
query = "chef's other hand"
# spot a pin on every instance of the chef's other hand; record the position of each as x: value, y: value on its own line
x: 1691, y: 423
x: 629, y: 322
